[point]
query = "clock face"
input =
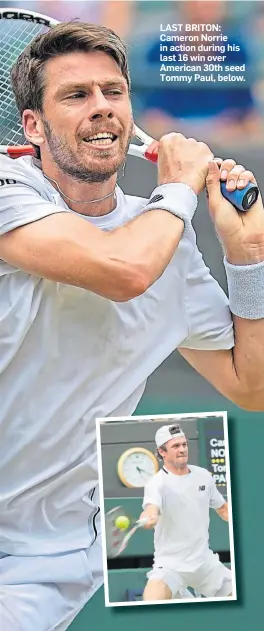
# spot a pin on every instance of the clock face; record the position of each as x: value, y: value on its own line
x: 136, y: 466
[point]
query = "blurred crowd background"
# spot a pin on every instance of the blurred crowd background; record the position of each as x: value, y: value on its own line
x: 227, y: 114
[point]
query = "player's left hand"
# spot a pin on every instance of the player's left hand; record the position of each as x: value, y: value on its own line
x: 241, y: 233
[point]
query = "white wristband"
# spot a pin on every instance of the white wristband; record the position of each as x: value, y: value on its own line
x: 177, y: 198
x: 246, y: 290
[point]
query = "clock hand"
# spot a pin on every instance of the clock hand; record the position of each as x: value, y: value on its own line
x: 141, y: 470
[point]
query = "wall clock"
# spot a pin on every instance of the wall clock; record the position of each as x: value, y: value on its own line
x: 135, y: 466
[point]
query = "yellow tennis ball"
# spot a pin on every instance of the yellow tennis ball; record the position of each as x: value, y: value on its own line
x: 122, y: 522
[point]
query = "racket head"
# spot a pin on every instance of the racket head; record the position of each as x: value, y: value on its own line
x: 141, y: 135
x: 117, y: 539
x: 143, y: 151
x: 17, y: 29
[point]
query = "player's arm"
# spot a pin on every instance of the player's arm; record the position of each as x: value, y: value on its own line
x: 238, y: 373
x: 228, y: 371
x: 152, y: 501
x: 223, y: 511
x: 118, y: 265
x: 152, y: 513
x: 217, y: 500
x: 123, y: 263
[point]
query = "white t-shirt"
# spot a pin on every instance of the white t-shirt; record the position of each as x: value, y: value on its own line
x: 68, y: 356
x: 181, y: 535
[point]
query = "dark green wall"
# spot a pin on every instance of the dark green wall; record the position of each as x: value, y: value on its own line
x: 117, y: 437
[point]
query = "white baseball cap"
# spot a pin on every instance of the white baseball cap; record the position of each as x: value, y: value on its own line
x: 167, y: 432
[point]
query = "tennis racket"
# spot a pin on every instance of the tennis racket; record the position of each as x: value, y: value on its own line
x: 117, y: 539
x: 17, y: 29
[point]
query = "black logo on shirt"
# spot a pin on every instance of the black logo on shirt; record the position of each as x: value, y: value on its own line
x: 156, y: 198
x: 3, y: 182
x: 202, y: 488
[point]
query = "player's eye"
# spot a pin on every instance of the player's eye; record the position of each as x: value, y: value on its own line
x: 115, y: 92
x: 76, y: 95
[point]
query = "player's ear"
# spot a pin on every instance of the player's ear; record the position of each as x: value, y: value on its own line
x: 33, y: 127
x: 158, y: 455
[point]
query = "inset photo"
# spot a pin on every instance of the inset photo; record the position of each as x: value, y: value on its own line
x: 165, y: 496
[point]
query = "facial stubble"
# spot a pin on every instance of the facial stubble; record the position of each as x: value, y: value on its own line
x: 68, y: 162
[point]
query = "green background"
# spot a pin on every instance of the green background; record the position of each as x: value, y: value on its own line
x: 246, y: 440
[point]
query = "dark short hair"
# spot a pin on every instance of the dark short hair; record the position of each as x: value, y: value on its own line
x: 27, y: 74
x: 158, y: 454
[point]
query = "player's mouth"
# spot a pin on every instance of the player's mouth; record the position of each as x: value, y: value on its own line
x: 104, y: 139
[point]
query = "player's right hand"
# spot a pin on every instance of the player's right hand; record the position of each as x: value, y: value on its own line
x: 152, y: 520
x: 183, y: 160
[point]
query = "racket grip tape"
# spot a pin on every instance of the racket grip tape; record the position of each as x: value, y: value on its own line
x: 241, y: 199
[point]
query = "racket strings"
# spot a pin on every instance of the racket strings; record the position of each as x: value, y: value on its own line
x: 15, y: 35
x: 115, y: 537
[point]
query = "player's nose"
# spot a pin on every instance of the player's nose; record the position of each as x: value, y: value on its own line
x: 99, y: 106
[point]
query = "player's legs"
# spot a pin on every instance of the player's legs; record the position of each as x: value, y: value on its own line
x: 28, y: 607
x: 184, y: 594
x: 157, y: 590
x: 67, y: 622
x: 225, y: 590
x: 213, y: 579
x: 94, y: 557
x: 8, y: 621
x: 163, y: 584
x: 47, y: 593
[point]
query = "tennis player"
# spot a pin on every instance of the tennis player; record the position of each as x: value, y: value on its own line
x: 97, y: 289
x: 177, y: 501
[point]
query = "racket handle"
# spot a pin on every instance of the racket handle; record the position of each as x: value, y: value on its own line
x: 142, y: 522
x: 19, y: 151
x: 241, y: 199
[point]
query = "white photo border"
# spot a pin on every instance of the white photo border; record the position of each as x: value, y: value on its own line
x: 157, y: 417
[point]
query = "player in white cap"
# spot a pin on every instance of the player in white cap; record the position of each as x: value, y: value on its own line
x: 177, y: 501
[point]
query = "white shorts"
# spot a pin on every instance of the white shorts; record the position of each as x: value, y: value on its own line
x: 207, y: 580
x: 46, y: 593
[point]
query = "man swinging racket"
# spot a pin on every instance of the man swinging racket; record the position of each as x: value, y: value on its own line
x: 176, y: 502
x: 97, y: 289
